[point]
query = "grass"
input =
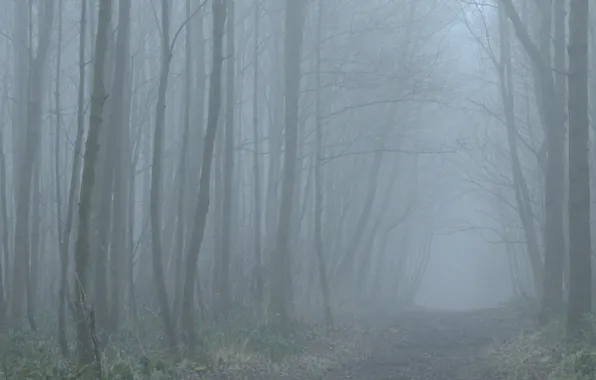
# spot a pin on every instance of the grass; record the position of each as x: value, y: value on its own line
x: 544, y: 354
x: 238, y: 349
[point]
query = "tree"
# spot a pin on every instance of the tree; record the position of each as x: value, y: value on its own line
x: 63, y: 260
x: 281, y: 275
x: 553, y: 121
x: 118, y: 121
x: 84, y: 313
x: 228, y: 168
x: 35, y: 89
x: 183, y: 168
x: 318, y: 188
x: 202, y: 208
x: 580, y: 263
x: 156, y: 185
x: 258, y: 219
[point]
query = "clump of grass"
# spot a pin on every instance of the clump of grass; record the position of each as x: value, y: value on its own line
x: 235, y: 349
x: 544, y: 354
x: 529, y: 357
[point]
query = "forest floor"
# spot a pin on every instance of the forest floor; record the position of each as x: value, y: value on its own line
x: 417, y: 345
x: 434, y: 345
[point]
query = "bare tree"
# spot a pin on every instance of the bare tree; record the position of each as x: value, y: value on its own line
x: 57, y: 144
x: 318, y: 225
x: 228, y: 167
x: 280, y: 270
x: 553, y: 121
x: 580, y: 259
x: 118, y: 121
x: 85, y: 347
x: 35, y: 88
x: 156, y: 180
x: 198, y: 230
x: 258, y: 219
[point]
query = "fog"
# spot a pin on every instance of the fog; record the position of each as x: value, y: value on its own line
x: 269, y: 161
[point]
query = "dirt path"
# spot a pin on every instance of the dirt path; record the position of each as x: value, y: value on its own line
x: 431, y: 345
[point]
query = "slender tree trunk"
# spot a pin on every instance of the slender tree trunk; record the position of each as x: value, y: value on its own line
x: 119, y: 123
x: 228, y: 169
x: 3, y: 222
x: 156, y: 185
x: 85, y: 341
x: 57, y: 144
x: 101, y: 221
x: 182, y: 173
x: 554, y: 238
x: 345, y: 271
x: 33, y: 270
x: 22, y: 243
x: 280, y: 271
x: 521, y: 189
x: 580, y: 263
x: 74, y: 187
x: 318, y: 233
x: 258, y: 219
x: 219, y: 20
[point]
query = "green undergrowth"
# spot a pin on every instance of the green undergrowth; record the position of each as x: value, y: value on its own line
x: 237, y: 348
x: 545, y: 355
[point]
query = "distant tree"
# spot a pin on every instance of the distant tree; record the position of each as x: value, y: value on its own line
x: 224, y: 296
x: 35, y: 89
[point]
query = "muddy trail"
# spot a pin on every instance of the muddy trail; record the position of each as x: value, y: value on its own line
x: 431, y: 345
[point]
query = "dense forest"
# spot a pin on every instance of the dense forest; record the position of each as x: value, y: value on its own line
x: 183, y: 177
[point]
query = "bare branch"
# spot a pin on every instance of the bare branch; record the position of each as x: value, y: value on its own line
x: 195, y: 12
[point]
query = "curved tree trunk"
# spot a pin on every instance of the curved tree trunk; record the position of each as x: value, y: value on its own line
x: 192, y: 257
x: 522, y: 197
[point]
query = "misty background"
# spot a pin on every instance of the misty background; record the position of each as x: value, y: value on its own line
x: 277, y: 161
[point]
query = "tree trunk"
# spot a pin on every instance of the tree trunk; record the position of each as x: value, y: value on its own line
x: 182, y: 173
x: 345, y: 271
x: 280, y: 271
x: 521, y: 190
x: 85, y: 345
x: 554, y: 106
x: 580, y: 265
x: 33, y: 133
x: 219, y: 20
x: 57, y: 143
x: 224, y: 303
x: 258, y: 219
x: 4, y: 259
x: 119, y: 123
x: 318, y: 225
x: 33, y: 270
x: 74, y: 187
x: 156, y: 185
